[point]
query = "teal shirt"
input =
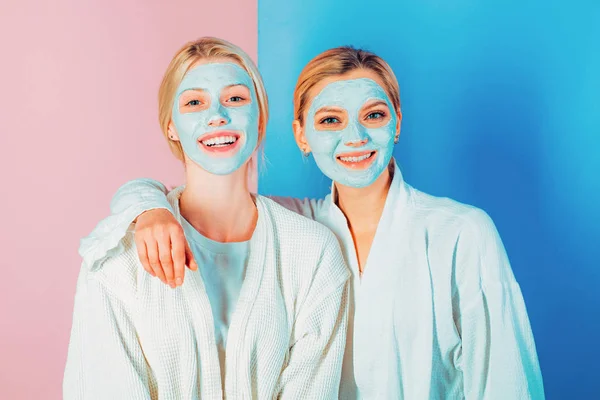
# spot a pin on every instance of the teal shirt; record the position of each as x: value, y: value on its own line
x: 222, y: 267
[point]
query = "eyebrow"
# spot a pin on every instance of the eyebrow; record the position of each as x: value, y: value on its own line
x: 378, y: 103
x: 328, y: 109
x: 192, y: 90
x: 204, y: 89
x: 236, y: 84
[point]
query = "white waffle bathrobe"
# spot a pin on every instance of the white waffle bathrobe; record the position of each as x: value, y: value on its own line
x: 437, y: 314
x: 134, y: 337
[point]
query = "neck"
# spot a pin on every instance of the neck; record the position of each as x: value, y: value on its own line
x: 220, y: 207
x: 363, y: 206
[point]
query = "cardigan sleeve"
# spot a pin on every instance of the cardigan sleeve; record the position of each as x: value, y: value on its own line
x: 131, y: 200
x: 105, y: 359
x: 498, y: 358
x: 314, y: 364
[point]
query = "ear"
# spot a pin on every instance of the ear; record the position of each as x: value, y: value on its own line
x: 172, y: 132
x: 300, y: 137
x: 398, y: 123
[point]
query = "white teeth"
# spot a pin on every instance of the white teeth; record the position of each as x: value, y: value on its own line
x: 220, y: 141
x: 356, y: 159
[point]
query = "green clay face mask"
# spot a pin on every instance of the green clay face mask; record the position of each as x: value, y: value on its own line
x: 216, y: 114
x: 355, y: 153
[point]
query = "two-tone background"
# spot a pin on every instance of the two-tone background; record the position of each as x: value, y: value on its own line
x: 501, y: 104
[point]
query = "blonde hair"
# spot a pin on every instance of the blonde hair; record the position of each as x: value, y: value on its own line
x: 339, y: 61
x: 188, y: 55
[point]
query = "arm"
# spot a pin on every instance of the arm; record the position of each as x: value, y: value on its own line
x: 313, y: 369
x: 105, y: 360
x: 161, y: 244
x: 162, y: 247
x: 499, y: 359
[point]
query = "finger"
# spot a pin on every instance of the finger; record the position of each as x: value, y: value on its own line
x: 166, y: 259
x: 152, y: 247
x: 178, y: 244
x: 190, y: 259
x: 143, y: 255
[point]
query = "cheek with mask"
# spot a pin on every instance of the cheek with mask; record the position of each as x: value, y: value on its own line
x: 219, y: 138
x: 336, y: 151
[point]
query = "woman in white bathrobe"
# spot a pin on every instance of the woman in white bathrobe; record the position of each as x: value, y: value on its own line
x: 435, y: 310
x: 265, y: 314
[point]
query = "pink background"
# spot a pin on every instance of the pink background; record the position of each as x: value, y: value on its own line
x: 78, y: 115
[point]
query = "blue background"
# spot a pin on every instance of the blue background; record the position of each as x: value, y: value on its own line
x: 501, y: 109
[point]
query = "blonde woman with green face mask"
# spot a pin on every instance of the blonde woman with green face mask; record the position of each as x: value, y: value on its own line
x: 265, y: 314
x: 435, y: 311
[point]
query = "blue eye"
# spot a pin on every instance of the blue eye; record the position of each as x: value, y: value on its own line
x: 236, y: 99
x: 193, y: 103
x: 330, y: 120
x: 375, y: 115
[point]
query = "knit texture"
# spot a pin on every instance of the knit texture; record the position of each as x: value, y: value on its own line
x: 438, y: 313
x: 134, y: 337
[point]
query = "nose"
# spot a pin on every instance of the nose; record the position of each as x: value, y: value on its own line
x: 357, y: 143
x: 217, y: 121
x: 355, y: 135
x: 218, y: 116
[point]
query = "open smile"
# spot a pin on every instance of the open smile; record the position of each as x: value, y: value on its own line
x: 220, y: 142
x: 357, y: 160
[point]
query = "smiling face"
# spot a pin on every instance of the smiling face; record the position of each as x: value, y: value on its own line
x: 350, y: 127
x: 215, y: 116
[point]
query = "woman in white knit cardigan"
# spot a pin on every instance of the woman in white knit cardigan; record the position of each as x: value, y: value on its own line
x: 263, y: 316
x: 435, y: 310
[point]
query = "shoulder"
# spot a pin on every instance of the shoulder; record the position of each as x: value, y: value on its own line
x: 288, y: 222
x: 470, y: 236
x: 447, y: 214
x: 305, y: 244
x: 462, y: 236
x: 310, y: 208
x: 465, y: 231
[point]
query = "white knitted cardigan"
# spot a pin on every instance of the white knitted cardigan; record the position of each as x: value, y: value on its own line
x: 134, y: 337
